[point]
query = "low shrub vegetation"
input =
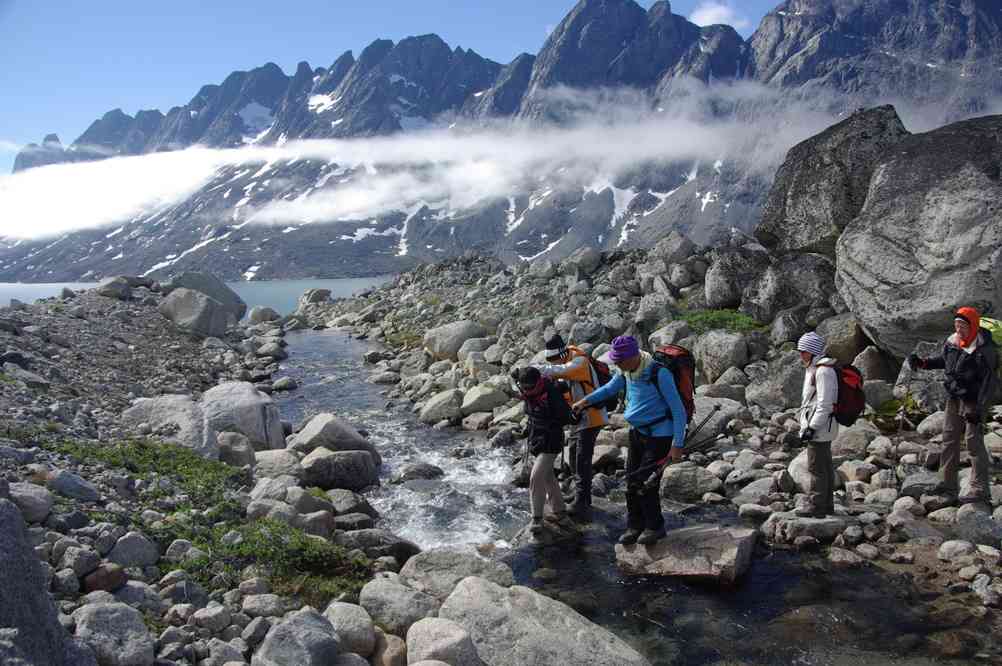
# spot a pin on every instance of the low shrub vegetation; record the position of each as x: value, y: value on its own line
x: 729, y: 320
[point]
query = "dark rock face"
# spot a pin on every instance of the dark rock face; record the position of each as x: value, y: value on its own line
x: 929, y: 236
x: 823, y: 183
x: 25, y: 604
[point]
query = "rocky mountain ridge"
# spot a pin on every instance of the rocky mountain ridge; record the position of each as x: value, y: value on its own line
x: 834, y: 55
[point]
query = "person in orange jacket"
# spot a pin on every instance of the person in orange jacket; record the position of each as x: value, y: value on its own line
x: 572, y: 365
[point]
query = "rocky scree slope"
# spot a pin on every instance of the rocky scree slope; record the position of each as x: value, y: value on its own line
x: 155, y: 510
x: 836, y: 55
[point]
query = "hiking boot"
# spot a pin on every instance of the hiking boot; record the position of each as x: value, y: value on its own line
x: 651, y: 536
x: 562, y: 520
x: 629, y: 537
x: 536, y: 527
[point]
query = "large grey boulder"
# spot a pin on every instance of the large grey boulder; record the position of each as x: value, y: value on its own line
x: 444, y: 342
x: 25, y: 605
x: 444, y: 406
x: 353, y: 624
x: 211, y: 286
x: 442, y: 640
x: 35, y: 502
x: 844, y: 338
x: 781, y: 387
x: 823, y: 183
x: 731, y: 271
x: 177, y: 413
x: 116, y: 633
x: 688, y: 482
x: 260, y: 314
x: 716, y: 351
x: 134, y: 550
x: 115, y: 287
x: 277, y: 463
x: 437, y: 571
x: 197, y: 313
x: 240, y: 407
x: 700, y: 552
x: 351, y: 470
x: 929, y: 237
x: 304, y: 638
x: 482, y: 398
x: 376, y: 542
x: 332, y: 433
x: 394, y: 606
x: 791, y: 281
x: 72, y: 485
x: 517, y: 626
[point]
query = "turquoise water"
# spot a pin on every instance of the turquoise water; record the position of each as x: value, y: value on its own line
x: 281, y: 295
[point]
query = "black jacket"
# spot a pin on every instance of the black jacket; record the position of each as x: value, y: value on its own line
x: 969, y: 377
x: 547, y: 420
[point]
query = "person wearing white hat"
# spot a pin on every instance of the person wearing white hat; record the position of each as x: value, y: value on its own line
x: 818, y: 426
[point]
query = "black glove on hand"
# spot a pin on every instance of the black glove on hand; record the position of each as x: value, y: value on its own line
x: 807, y: 435
x: 973, y: 417
x: 915, y: 361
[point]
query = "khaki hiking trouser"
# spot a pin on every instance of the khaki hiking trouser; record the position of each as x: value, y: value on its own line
x: 543, y: 485
x: 819, y: 464
x: 956, y: 427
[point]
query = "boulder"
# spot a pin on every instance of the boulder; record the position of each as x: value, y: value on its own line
x: 582, y: 262
x: 235, y: 449
x: 875, y: 365
x: 25, y: 605
x: 378, y: 543
x: 353, y: 624
x: 482, y: 398
x: 196, y: 313
x: 304, y: 638
x: 351, y: 470
x: 260, y: 314
x: 699, y: 552
x: 418, y: 470
x: 441, y: 639
x: 116, y: 633
x: 444, y: 406
x: 517, y: 626
x: 791, y: 281
x: 437, y: 571
x: 787, y: 527
x: 134, y: 550
x: 333, y: 434
x: 115, y: 287
x: 394, y: 606
x: 240, y: 407
x: 924, y: 387
x: 782, y: 386
x: 211, y: 286
x: 728, y: 275
x: 688, y: 482
x: 177, y: 413
x: 928, y: 238
x: 35, y: 502
x: 669, y: 334
x: 277, y: 463
x: 843, y: 337
x: 716, y: 351
x: 72, y: 485
x: 823, y: 183
x: 444, y: 342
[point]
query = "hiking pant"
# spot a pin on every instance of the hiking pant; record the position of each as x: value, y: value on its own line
x: 583, y: 453
x: 955, y: 427
x: 643, y: 507
x: 819, y: 465
x: 543, y: 484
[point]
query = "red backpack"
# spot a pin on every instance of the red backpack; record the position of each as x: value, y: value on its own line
x: 682, y: 365
x: 851, y: 401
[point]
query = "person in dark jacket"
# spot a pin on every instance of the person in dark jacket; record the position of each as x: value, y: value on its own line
x: 548, y: 413
x: 970, y: 361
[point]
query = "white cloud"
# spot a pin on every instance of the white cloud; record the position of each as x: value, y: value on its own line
x: 713, y: 12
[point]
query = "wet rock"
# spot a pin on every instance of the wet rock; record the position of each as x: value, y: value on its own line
x: 346, y: 502
x: 116, y: 633
x: 378, y: 543
x: 417, y: 470
x: 305, y: 638
x: 519, y: 627
x: 444, y: 640
x: 700, y: 552
x: 437, y: 571
x: 444, y: 406
x: 353, y: 470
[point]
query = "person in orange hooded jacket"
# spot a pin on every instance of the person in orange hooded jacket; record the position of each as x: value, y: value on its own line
x: 970, y: 361
x: 573, y: 366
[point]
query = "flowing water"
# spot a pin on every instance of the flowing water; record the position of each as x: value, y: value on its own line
x: 787, y: 610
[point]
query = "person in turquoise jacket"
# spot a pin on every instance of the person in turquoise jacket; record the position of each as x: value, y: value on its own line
x: 655, y: 433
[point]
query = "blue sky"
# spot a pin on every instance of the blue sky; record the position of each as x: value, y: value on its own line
x: 67, y: 62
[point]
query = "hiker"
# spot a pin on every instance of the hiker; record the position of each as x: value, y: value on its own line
x: 548, y: 413
x: 818, y: 426
x: 573, y: 365
x: 970, y: 359
x: 657, y: 421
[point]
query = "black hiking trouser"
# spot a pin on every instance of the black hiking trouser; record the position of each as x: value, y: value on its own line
x: 643, y: 506
x: 583, y: 454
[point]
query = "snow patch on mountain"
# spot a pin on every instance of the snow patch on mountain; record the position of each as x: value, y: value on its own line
x: 321, y: 103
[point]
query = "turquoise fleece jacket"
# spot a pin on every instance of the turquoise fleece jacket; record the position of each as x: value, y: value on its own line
x: 644, y: 405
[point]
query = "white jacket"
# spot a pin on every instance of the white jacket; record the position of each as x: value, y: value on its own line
x: 818, y: 402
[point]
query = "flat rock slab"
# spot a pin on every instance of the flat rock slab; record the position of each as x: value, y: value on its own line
x: 700, y: 552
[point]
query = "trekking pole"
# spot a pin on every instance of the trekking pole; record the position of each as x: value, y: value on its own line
x: 690, y: 435
x: 660, y: 465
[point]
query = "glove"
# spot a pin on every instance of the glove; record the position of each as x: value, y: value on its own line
x: 807, y: 435
x: 653, y: 482
x: 973, y: 417
x: 915, y: 361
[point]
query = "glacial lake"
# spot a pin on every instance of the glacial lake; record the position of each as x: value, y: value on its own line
x: 281, y: 295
